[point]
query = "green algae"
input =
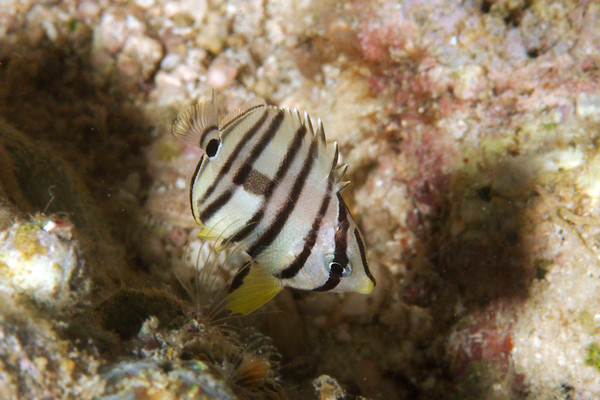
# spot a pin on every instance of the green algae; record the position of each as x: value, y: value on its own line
x: 27, y: 241
x: 592, y: 357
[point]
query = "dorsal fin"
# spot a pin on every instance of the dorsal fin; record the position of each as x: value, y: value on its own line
x: 243, y: 110
x: 342, y: 185
x: 192, y: 123
x: 296, y: 114
x: 340, y: 172
x: 321, y: 132
x: 326, y: 157
x: 308, y: 123
x: 336, y: 154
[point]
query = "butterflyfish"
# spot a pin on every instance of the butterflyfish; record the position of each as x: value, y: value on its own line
x: 268, y: 182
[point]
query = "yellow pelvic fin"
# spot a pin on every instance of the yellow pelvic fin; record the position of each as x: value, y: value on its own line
x: 208, y: 234
x: 256, y: 289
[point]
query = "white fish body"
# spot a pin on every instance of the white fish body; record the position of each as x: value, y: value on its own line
x: 268, y: 182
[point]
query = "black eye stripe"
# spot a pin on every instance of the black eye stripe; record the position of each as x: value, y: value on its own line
x: 336, y: 269
x: 331, y: 283
x: 212, y: 147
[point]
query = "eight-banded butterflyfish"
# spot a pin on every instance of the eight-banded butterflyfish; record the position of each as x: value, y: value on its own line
x: 268, y: 182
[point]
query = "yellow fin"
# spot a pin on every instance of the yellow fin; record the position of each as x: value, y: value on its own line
x: 208, y: 234
x: 257, y: 287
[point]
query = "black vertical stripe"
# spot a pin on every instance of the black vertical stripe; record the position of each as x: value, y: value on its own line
x: 243, y: 172
x: 341, y: 245
x: 309, y: 241
x: 284, y: 212
x: 363, y: 257
x: 234, y: 154
x: 284, y: 166
x: 216, y: 205
x: 341, y: 234
x: 241, y: 175
x: 331, y: 283
x: 194, y: 177
x: 234, y: 122
x: 238, y: 279
x: 311, y: 238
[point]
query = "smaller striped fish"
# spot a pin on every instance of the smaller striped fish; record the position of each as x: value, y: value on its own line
x: 268, y: 183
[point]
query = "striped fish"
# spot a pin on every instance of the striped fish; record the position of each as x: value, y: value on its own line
x: 268, y: 183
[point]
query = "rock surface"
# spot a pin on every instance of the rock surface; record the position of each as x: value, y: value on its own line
x: 471, y: 134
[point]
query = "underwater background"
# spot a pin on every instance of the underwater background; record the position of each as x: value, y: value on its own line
x: 471, y: 131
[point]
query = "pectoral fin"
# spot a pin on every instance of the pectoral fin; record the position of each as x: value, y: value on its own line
x: 251, y: 288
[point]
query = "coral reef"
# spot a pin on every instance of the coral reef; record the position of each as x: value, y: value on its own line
x: 471, y: 134
x: 198, y: 360
x: 37, y: 259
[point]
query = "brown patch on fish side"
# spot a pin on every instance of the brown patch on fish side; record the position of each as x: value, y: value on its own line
x: 256, y: 182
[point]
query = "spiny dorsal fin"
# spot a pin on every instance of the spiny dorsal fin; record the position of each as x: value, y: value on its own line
x: 336, y: 154
x: 321, y: 132
x: 195, y: 120
x: 308, y: 123
x: 340, y: 172
x: 243, y: 110
x: 327, y: 158
x: 342, y: 185
x: 297, y: 115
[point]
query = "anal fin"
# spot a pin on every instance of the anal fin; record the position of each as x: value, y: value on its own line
x: 252, y: 287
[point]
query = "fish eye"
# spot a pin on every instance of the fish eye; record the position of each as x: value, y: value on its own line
x: 212, y: 147
x: 338, y: 269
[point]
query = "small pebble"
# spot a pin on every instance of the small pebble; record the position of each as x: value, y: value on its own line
x: 140, y: 57
x: 169, y: 62
x: 145, y: 3
x: 88, y: 9
x: 111, y: 33
x: 221, y: 73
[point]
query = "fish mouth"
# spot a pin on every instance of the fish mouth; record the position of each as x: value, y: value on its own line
x: 366, y: 287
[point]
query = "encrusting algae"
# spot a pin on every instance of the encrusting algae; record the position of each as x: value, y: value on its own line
x: 471, y: 134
